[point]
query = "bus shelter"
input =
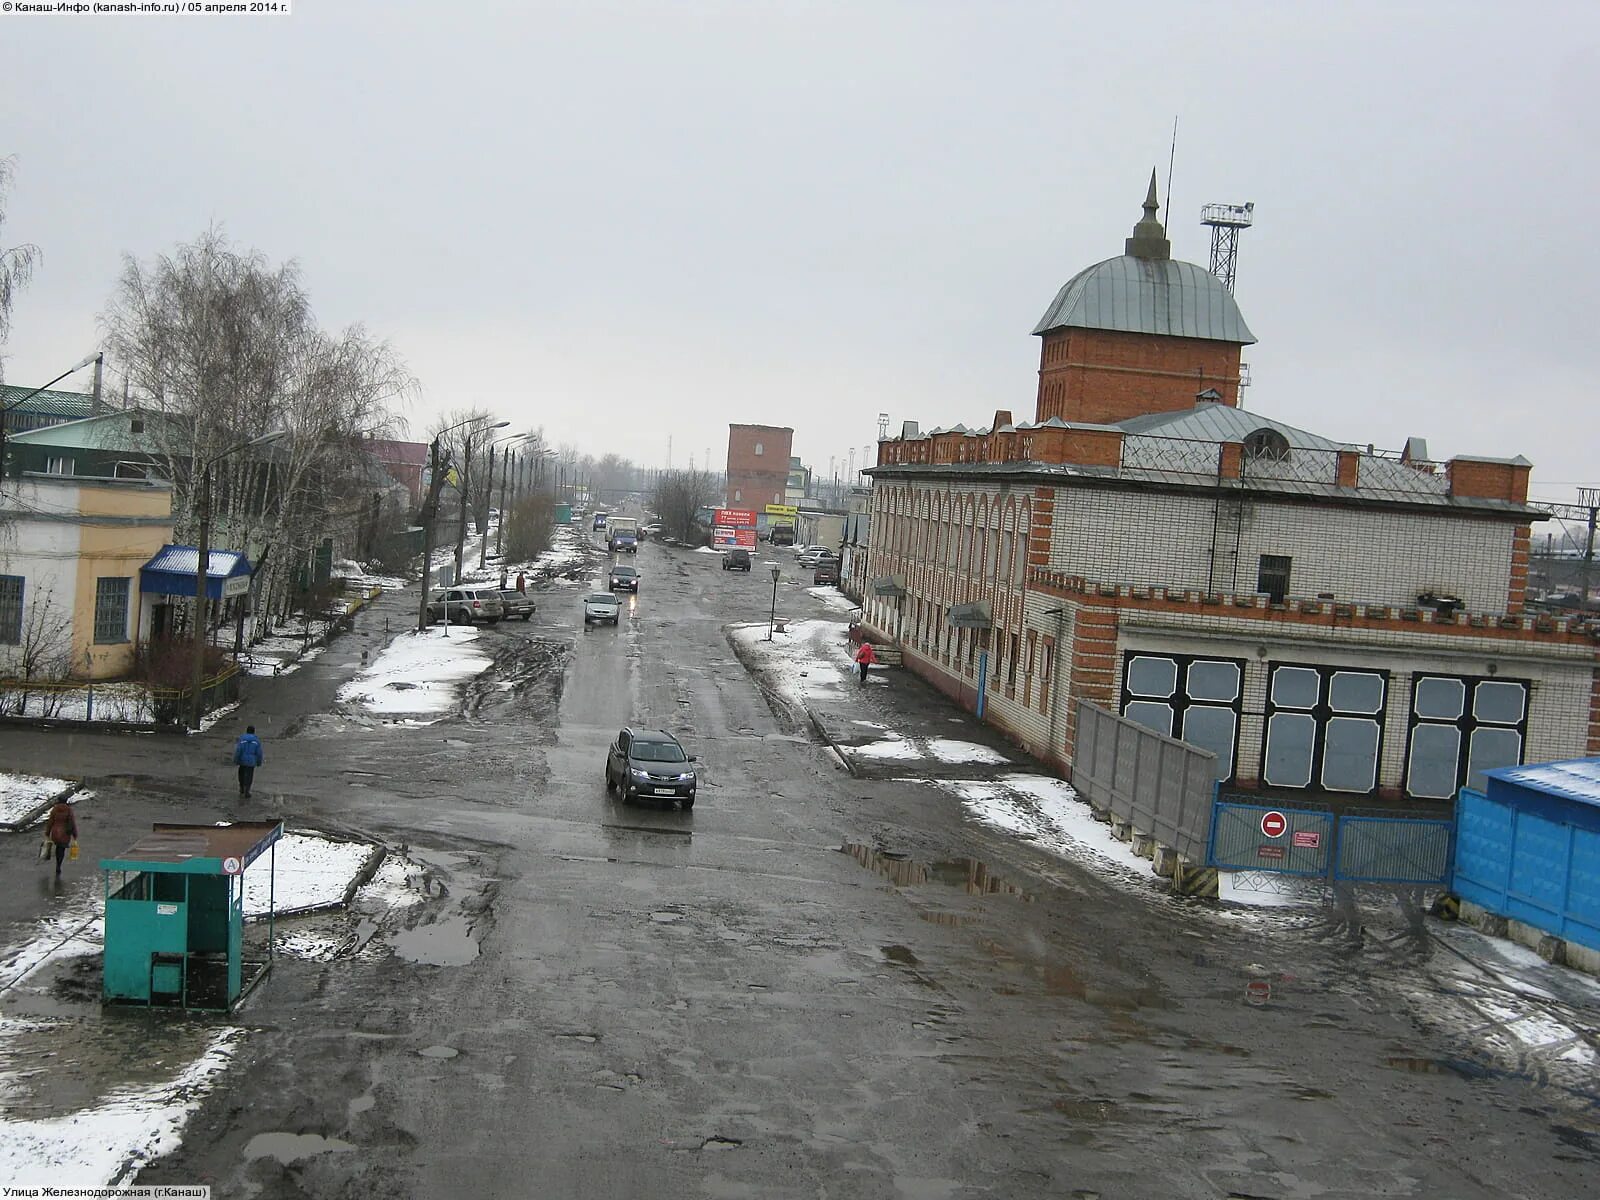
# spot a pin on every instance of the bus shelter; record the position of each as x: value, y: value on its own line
x: 174, y: 927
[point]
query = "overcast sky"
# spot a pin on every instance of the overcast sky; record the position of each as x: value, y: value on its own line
x: 627, y: 220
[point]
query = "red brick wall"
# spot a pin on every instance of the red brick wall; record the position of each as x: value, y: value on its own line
x: 756, y: 480
x: 1101, y: 376
x: 1490, y: 480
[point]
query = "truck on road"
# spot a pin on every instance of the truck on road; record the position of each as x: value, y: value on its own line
x: 623, y: 535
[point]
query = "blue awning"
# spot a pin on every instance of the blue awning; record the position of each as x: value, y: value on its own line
x: 171, y: 572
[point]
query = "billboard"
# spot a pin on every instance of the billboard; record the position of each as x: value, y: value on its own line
x: 782, y: 510
x: 724, y: 536
x: 734, y: 518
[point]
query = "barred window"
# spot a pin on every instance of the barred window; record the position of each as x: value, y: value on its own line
x: 10, y: 610
x: 111, y: 609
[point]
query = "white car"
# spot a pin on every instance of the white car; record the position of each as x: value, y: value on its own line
x: 816, y: 554
x: 601, y: 607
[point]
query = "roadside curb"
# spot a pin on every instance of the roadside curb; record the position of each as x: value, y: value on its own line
x: 41, y: 809
x: 752, y: 668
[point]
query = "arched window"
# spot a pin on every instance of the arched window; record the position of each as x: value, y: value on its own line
x: 1266, y: 444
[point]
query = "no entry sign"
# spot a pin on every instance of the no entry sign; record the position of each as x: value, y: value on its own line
x: 1273, y: 824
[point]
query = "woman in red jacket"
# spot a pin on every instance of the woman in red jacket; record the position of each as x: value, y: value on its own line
x: 62, y: 829
x: 865, y: 657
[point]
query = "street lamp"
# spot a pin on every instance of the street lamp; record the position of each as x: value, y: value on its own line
x: 772, y: 618
x: 203, y: 561
x: 96, y: 357
x: 430, y: 513
x: 466, y: 474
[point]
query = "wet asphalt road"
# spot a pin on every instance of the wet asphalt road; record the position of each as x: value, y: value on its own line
x: 600, y: 1000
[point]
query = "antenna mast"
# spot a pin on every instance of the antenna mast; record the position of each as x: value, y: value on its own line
x: 1226, y: 220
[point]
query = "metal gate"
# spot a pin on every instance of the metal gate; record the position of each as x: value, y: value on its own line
x: 1354, y: 848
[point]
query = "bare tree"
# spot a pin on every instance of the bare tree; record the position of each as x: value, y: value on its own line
x: 16, y: 264
x: 42, y: 655
x: 220, y: 346
x: 679, y: 497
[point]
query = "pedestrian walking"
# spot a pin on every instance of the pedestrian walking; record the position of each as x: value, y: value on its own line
x: 62, y: 829
x: 522, y: 583
x: 502, y: 579
x: 247, y: 756
x: 865, y: 657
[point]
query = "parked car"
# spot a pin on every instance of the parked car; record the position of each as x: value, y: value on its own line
x: 601, y: 608
x: 624, y: 579
x: 465, y: 605
x: 815, y: 554
x: 827, y: 571
x: 736, y: 559
x: 653, y: 530
x: 516, y: 604
x: 650, y: 762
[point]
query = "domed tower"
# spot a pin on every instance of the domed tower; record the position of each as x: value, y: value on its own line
x: 1139, y: 334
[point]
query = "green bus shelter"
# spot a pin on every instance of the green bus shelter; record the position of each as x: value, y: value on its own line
x: 175, y: 915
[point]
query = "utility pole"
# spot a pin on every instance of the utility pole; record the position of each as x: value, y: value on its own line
x: 430, y: 513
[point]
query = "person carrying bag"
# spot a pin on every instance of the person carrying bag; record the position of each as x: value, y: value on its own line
x: 60, y: 831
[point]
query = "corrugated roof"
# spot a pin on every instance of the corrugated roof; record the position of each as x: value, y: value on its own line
x: 110, y: 431
x: 1573, y: 778
x: 68, y: 405
x: 1146, y: 295
x: 182, y: 560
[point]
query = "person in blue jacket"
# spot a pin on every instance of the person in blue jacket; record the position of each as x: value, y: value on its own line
x: 247, y: 755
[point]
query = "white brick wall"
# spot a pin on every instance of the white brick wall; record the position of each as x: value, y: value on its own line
x: 1372, y: 556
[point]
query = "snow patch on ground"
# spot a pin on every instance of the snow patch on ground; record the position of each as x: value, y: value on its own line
x: 107, y: 1145
x: 21, y: 794
x: 312, y: 872
x: 834, y: 599
x: 418, y: 672
x: 951, y: 751
x: 103, y: 702
x: 894, y: 748
x: 808, y: 661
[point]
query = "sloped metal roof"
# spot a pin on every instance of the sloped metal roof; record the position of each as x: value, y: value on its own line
x: 1146, y: 295
x: 182, y: 560
x: 1573, y: 779
x: 66, y: 405
x: 111, y: 431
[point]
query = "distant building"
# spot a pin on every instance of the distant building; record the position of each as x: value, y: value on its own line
x: 1321, y: 616
x: 758, y: 466
x: 404, y: 462
x: 798, y: 486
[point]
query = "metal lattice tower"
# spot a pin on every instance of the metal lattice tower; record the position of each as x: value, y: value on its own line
x: 1226, y: 220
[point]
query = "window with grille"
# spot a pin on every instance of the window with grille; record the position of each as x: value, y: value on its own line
x: 1273, y: 576
x: 10, y: 610
x: 1197, y: 700
x: 1324, y: 727
x: 1462, y: 726
x: 111, y: 609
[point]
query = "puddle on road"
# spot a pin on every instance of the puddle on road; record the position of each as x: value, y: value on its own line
x: 966, y: 874
x: 448, y: 942
x: 291, y: 1147
x: 1437, y: 1066
x: 901, y: 955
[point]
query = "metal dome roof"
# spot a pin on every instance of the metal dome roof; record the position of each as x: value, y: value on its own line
x: 1148, y: 295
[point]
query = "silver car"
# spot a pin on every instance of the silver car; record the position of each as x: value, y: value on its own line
x: 465, y: 605
x: 602, y: 607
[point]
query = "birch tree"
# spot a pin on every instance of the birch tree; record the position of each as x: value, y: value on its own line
x: 16, y: 263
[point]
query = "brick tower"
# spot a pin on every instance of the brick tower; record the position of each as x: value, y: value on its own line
x: 1139, y: 333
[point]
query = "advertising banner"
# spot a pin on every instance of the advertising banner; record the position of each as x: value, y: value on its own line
x: 783, y: 510
x: 734, y: 518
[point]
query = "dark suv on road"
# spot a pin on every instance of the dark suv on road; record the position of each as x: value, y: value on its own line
x: 737, y: 559
x: 650, y: 762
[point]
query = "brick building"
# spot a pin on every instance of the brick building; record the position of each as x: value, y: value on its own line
x: 1322, y: 616
x: 758, y: 465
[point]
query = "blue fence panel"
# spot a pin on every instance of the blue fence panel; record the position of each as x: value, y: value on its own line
x: 1394, y: 850
x: 1239, y: 843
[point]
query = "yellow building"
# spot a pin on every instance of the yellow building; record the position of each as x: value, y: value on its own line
x: 70, y: 553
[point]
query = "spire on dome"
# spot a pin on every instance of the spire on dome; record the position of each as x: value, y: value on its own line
x: 1149, y: 239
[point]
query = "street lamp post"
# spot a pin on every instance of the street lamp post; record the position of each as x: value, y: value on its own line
x: 505, y: 469
x: 4, y: 409
x: 201, y: 565
x: 466, y: 476
x: 772, y: 617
